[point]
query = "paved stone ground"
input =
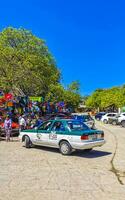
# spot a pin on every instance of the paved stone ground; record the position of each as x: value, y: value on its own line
x: 43, y: 173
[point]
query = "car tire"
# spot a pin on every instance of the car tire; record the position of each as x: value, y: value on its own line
x: 65, y: 148
x: 27, y: 142
x: 123, y: 123
x: 105, y: 121
x: 98, y: 119
x: 114, y: 123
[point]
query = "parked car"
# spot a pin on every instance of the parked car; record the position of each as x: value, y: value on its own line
x: 99, y: 115
x: 65, y: 134
x: 113, y: 121
x: 121, y: 119
x: 85, y: 118
x: 105, y: 118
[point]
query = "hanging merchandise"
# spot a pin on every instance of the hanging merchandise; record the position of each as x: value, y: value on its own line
x: 10, y: 104
x: 2, y: 102
x: 8, y: 96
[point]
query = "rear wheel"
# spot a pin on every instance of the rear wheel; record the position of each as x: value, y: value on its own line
x: 27, y: 142
x: 65, y: 148
x: 123, y: 123
x: 114, y: 123
x: 98, y: 119
x: 105, y: 121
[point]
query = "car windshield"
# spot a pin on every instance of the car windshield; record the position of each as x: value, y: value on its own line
x: 77, y: 125
x: 84, y: 118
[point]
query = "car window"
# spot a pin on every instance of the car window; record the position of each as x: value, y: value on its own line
x: 118, y: 115
x: 83, y: 118
x: 77, y: 125
x: 113, y: 115
x: 58, y: 126
x: 45, y: 125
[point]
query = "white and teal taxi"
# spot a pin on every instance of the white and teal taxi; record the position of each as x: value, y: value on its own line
x: 65, y: 134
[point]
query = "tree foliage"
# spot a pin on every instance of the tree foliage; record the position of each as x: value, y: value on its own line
x: 58, y: 93
x: 107, y: 97
x: 26, y: 64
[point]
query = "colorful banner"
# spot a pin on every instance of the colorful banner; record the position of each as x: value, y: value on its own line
x: 39, y: 99
x: 2, y: 101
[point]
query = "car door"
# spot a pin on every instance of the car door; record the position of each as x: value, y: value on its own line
x: 43, y: 133
x: 56, y: 133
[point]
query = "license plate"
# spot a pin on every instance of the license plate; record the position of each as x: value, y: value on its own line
x: 93, y: 137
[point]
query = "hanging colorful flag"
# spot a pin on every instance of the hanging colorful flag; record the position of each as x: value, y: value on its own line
x: 8, y: 96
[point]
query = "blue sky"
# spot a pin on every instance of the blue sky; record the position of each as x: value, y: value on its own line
x: 86, y: 37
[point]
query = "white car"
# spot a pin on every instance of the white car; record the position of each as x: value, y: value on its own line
x: 121, y: 119
x: 105, y: 118
x: 65, y: 134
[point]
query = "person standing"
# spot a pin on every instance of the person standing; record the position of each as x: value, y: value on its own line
x: 22, y: 123
x: 8, y: 128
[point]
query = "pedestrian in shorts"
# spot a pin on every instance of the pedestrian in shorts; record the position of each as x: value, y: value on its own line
x: 8, y: 128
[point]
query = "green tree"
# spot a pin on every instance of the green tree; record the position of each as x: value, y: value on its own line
x: 57, y: 93
x: 27, y: 65
x: 72, y: 99
x: 74, y: 87
x: 114, y: 97
x: 94, y: 101
x: 25, y: 62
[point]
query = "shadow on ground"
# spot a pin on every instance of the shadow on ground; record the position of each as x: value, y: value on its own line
x: 78, y: 153
x: 91, y: 154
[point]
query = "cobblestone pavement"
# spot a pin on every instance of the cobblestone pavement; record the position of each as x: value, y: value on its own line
x: 43, y: 173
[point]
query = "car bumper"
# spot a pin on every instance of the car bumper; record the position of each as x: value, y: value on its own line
x: 88, y: 144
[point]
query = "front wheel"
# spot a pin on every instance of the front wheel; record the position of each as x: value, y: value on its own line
x: 123, y: 123
x: 27, y: 142
x: 65, y: 148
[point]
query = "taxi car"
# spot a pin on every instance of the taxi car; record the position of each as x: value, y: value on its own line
x: 65, y: 134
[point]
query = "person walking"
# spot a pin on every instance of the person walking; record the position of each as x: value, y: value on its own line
x: 8, y: 128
